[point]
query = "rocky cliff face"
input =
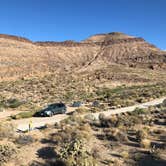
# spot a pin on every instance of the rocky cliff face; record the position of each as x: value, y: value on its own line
x: 20, y: 57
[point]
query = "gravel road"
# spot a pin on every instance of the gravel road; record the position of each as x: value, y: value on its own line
x: 37, y: 122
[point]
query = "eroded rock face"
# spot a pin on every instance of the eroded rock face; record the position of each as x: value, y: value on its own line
x: 20, y: 57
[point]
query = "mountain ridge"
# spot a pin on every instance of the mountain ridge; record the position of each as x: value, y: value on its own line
x: 20, y: 57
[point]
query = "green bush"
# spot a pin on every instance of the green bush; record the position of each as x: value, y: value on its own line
x: 75, y: 153
x: 139, y: 111
x: 126, y: 96
x: 13, y: 103
x: 26, y: 114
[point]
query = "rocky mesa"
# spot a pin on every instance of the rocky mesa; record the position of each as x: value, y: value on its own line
x: 20, y: 57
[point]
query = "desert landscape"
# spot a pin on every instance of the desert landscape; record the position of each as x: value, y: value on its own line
x: 119, y: 82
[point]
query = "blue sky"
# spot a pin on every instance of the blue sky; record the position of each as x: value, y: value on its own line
x: 58, y: 20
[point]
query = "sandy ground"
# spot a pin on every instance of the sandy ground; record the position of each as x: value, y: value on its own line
x: 37, y: 122
x: 131, y: 108
x: 8, y: 113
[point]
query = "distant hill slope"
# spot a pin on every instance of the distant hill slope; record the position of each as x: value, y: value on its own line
x: 20, y: 57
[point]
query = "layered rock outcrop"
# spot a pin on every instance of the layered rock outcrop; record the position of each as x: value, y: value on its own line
x: 20, y: 57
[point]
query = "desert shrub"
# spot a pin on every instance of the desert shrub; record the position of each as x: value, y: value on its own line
x: 141, y: 134
x: 164, y: 103
x: 72, y: 129
x: 125, y: 154
x: 139, y: 111
x: 13, y: 103
x: 157, y: 153
x: 73, y: 139
x: 102, y: 116
x: 125, y: 96
x: 95, y: 109
x: 115, y: 135
x: 25, y: 114
x: 6, y: 152
x: 121, y: 102
x: 73, y: 120
x: 6, y: 130
x: 96, y: 152
x: 82, y: 110
x: 75, y: 153
x: 24, y: 139
x: 1, y: 109
x: 103, y: 120
x: 141, y: 100
x: 2, y: 105
x: 119, y: 120
x: 127, y: 120
x: 112, y: 121
x: 89, y: 117
x: 145, y: 143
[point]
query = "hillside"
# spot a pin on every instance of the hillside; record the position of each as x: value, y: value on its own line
x: 20, y: 57
x: 124, y: 75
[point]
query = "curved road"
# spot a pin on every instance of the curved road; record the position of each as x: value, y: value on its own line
x: 38, y: 122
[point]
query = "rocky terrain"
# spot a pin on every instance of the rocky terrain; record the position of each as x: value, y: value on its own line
x: 114, y: 70
x: 20, y: 57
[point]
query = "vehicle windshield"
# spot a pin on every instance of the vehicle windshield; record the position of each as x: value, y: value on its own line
x: 56, y: 105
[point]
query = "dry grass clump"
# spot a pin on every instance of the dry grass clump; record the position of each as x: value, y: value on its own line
x: 125, y: 154
x: 158, y: 153
x: 142, y: 138
x: 76, y: 153
x: 68, y: 133
x: 115, y: 134
x: 11, y: 103
x: 141, y: 134
x: 7, y: 150
x: 119, y: 120
x: 145, y: 143
x: 164, y: 103
x: 82, y: 110
x: 25, y: 114
x: 6, y: 130
x: 24, y: 140
x: 72, y: 139
x: 125, y: 96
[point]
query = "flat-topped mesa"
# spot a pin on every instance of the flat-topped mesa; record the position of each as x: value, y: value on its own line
x: 20, y: 57
x: 54, y: 43
x: 16, y: 38
x: 107, y: 37
x: 70, y: 43
x: 99, y: 39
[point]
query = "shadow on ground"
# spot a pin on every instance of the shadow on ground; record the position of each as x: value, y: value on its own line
x: 48, y: 163
x: 150, y: 161
x: 47, y: 153
x: 49, y: 157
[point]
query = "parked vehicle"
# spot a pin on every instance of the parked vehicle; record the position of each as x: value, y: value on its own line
x: 77, y: 104
x: 96, y: 104
x: 52, y: 109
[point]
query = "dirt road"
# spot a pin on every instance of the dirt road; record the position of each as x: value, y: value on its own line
x: 22, y: 124
x: 131, y: 108
x: 6, y: 114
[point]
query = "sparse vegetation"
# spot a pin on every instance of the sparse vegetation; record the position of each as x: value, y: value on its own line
x: 11, y: 103
x: 26, y: 114
x: 6, y: 130
x: 6, y: 152
x: 24, y: 140
x: 126, y: 96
